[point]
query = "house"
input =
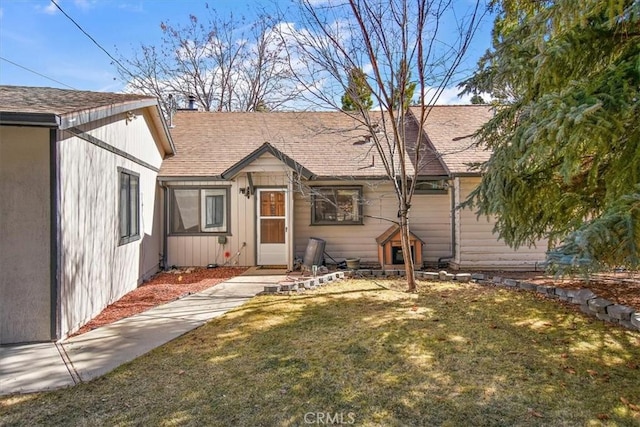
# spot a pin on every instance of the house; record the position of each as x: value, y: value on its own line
x: 80, y: 217
x: 254, y: 188
x: 449, y: 131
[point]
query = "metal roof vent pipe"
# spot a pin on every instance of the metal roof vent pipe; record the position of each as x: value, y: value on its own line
x: 192, y: 102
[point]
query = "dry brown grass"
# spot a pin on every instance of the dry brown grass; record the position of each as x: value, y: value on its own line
x: 450, y: 355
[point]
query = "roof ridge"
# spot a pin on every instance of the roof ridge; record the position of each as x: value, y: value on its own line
x: 40, y: 88
x: 451, y: 105
x: 186, y: 110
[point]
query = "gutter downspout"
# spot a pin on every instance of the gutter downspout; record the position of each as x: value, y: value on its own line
x: 454, y: 241
x: 452, y: 254
x: 165, y: 219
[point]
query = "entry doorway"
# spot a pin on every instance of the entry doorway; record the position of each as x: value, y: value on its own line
x: 272, y: 236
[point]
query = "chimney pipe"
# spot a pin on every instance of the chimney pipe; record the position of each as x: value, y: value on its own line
x: 192, y: 102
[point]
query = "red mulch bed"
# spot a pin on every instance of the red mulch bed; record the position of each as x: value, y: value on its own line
x: 162, y: 288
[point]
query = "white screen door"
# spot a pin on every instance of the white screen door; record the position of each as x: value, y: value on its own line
x: 272, y: 227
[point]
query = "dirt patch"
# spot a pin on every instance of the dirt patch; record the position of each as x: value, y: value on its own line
x: 160, y: 289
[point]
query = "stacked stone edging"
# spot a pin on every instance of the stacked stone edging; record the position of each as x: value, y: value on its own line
x: 589, y: 302
x: 304, y: 283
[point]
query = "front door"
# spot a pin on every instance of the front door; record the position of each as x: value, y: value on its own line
x: 272, y: 227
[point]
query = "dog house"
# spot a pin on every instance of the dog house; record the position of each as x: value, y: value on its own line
x: 390, y: 253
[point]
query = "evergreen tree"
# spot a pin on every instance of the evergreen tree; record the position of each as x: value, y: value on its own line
x: 477, y: 99
x: 566, y: 142
x: 357, y: 96
x: 405, y: 87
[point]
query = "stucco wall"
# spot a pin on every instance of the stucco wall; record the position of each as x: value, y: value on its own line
x: 96, y: 269
x: 25, y: 278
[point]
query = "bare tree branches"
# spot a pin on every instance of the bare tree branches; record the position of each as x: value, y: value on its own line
x: 226, y: 63
x: 389, y: 40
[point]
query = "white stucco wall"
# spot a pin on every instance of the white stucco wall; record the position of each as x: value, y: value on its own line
x: 96, y: 269
x: 25, y: 274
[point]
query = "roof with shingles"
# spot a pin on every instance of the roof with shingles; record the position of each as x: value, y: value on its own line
x: 392, y: 232
x: 328, y: 144
x: 450, y: 129
x: 68, y: 108
x: 25, y: 99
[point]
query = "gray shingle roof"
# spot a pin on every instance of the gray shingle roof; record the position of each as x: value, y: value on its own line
x: 24, y: 99
x: 65, y: 108
x: 209, y: 143
x: 450, y: 129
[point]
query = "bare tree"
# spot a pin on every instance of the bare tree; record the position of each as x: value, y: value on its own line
x: 227, y: 64
x: 390, y: 40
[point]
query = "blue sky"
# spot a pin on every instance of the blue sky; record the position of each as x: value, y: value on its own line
x: 37, y: 36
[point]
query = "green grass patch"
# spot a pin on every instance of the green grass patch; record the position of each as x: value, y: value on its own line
x: 361, y: 354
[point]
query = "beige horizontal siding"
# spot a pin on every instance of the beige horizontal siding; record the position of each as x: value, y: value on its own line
x: 266, y: 163
x: 429, y: 220
x: 479, y: 247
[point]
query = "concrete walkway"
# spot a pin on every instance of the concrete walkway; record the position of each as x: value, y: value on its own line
x: 46, y: 366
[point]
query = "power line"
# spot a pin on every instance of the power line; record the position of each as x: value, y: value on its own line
x: 91, y: 38
x: 37, y: 73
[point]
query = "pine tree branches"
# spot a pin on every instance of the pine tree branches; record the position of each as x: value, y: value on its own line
x: 566, y: 142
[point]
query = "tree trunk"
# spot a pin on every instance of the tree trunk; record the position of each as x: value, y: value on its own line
x: 409, y: 266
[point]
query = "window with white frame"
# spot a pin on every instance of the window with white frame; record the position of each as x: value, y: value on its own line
x: 199, y: 210
x: 129, y: 206
x: 336, y: 206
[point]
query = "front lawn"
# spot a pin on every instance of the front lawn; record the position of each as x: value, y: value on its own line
x: 358, y: 353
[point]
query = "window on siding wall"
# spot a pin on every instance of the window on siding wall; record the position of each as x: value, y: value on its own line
x: 195, y: 210
x: 430, y: 186
x: 336, y: 206
x: 129, y: 206
x: 213, y: 210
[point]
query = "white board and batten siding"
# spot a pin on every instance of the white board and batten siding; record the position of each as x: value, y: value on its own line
x: 96, y: 269
x: 203, y: 249
x: 479, y: 248
x: 430, y: 220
